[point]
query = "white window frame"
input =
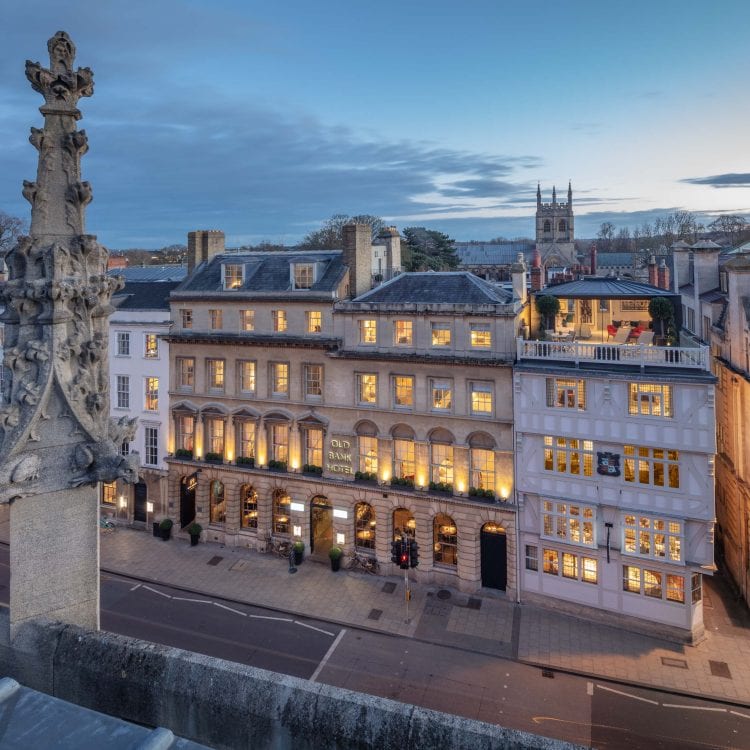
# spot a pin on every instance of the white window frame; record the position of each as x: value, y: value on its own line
x: 242, y: 375
x: 563, y: 521
x: 566, y: 393
x: 235, y: 279
x: 444, y: 386
x: 441, y: 327
x: 481, y: 386
x: 275, y: 392
x: 212, y: 370
x: 216, y: 319
x: 395, y: 387
x: 150, y: 393
x: 359, y: 388
x: 309, y: 382
x: 186, y: 317
x: 123, y: 391
x: 123, y: 343
x: 279, y: 320
x: 558, y: 563
x: 401, y: 338
x: 150, y: 354
x: 151, y: 445
x: 247, y: 320
x: 647, y: 455
x: 649, y: 399
x: 480, y: 328
x: 185, y: 365
x: 660, y: 536
x: 555, y: 446
x: 300, y: 270
x: 662, y: 587
x: 368, y: 328
x: 310, y: 326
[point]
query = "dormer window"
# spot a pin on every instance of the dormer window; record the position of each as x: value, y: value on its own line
x: 233, y: 275
x: 303, y: 275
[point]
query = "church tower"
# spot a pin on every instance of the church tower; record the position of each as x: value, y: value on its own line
x: 554, y: 229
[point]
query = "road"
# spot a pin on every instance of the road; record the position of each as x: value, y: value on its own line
x: 588, y: 712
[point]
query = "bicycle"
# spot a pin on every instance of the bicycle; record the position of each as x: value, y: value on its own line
x: 281, y: 548
x: 106, y: 524
x: 367, y: 564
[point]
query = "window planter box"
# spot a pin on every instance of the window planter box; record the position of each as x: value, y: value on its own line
x: 366, y: 476
x: 184, y: 454
x: 277, y: 465
x: 214, y: 458
x: 312, y: 469
x: 407, y: 483
x: 248, y: 461
x: 480, y: 494
x: 441, y: 487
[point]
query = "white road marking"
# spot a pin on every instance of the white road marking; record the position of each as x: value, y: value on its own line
x: 589, y: 688
x: 186, y: 599
x: 328, y: 655
x: 230, y: 609
x: 737, y: 713
x: 278, y: 619
x: 694, y: 708
x: 137, y: 586
x: 628, y: 695
x: 312, y: 627
x: 156, y: 591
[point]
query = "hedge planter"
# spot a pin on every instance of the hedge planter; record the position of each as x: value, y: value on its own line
x: 165, y: 529
x: 334, y: 555
x: 277, y: 465
x: 184, y: 454
x: 195, y: 533
x: 299, y: 551
x: 248, y: 461
x: 214, y: 458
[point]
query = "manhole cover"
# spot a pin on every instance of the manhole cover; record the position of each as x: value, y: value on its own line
x: 375, y: 614
x: 389, y: 587
x: 720, y: 669
x: 474, y: 603
x: 215, y: 560
x: 443, y: 594
x: 548, y: 673
x: 668, y: 661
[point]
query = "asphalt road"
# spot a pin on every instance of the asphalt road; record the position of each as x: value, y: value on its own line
x: 588, y: 712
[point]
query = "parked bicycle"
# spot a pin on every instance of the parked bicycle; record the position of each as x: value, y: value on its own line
x: 281, y: 548
x: 106, y: 524
x: 363, y: 562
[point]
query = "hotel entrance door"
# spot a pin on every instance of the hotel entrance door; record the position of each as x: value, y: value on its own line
x: 321, y: 525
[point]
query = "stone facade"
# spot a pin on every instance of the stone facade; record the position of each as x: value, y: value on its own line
x: 555, y: 238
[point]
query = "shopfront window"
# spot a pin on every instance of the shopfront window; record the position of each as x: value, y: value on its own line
x: 249, y: 506
x: 445, y: 540
x: 281, y: 507
x: 217, y: 502
x: 364, y: 527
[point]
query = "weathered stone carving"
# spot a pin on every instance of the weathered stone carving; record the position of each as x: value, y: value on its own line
x: 57, y: 299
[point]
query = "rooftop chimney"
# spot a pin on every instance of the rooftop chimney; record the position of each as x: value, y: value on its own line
x: 593, y: 259
x: 518, y: 275
x: 357, y: 255
x: 203, y: 244
x: 662, y: 280
x: 392, y: 251
x: 652, y: 275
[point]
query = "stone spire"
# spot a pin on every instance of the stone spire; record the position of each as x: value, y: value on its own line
x: 57, y: 441
x: 570, y: 193
x: 538, y: 195
x: 554, y: 195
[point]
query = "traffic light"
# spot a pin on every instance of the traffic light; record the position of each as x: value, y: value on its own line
x: 403, y: 555
x: 413, y: 553
x: 395, y: 550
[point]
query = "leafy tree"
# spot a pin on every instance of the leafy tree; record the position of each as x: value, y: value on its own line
x: 428, y: 250
x: 548, y: 307
x: 329, y: 236
x: 11, y: 227
x: 661, y: 311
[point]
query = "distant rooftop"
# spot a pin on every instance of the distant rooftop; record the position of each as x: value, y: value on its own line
x: 603, y: 287
x: 144, y: 295
x: 151, y: 273
x: 492, y: 254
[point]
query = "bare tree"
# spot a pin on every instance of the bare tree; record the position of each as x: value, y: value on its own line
x: 328, y: 237
x: 605, y: 235
x: 733, y: 227
x: 11, y: 227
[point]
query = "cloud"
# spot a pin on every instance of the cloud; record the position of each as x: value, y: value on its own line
x: 730, y: 179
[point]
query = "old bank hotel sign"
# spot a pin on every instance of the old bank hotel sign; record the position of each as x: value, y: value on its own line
x: 339, y: 455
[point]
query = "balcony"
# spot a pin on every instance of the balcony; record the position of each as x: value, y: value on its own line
x: 611, y: 354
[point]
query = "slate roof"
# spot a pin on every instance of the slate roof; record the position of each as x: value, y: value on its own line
x: 268, y: 272
x: 151, y: 273
x: 599, y: 287
x: 605, y: 260
x: 740, y: 262
x: 437, y: 287
x: 145, y: 295
x: 493, y: 254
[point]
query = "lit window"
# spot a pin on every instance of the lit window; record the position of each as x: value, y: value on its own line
x: 314, y: 447
x: 123, y: 391
x: 569, y: 455
x: 441, y: 334
x: 151, y: 400
x: 364, y: 526
x: 403, y: 459
x: 403, y: 391
x: 570, y: 565
x: 185, y: 427
x: 566, y: 393
x: 279, y: 320
x: 482, y: 469
x: 696, y: 587
x: 651, y: 583
x: 247, y: 376
x: 441, y: 463
x: 247, y: 320
x: 217, y: 319
x: 569, y: 522
x: 575, y: 567
x: 215, y: 374
x: 123, y: 344
x: 217, y: 502
x: 109, y: 493
x: 551, y: 559
x: 653, y: 466
x: 402, y: 332
x: 232, y: 275
x: 368, y: 332
x: 650, y: 399
x: 280, y: 443
x: 249, y: 505
x: 676, y: 589
x: 215, y: 435
x: 151, y: 346
x: 481, y: 337
x: 368, y: 454
x: 648, y: 536
x: 445, y: 540
x: 532, y: 557
x: 314, y: 381
x: 303, y: 275
x: 187, y: 318
x: 481, y: 398
x: 151, y: 437
x: 589, y: 571
x: 314, y: 321
x: 442, y: 395
x: 281, y: 507
x: 246, y: 439
x: 280, y: 379
x: 367, y: 388
x: 185, y: 373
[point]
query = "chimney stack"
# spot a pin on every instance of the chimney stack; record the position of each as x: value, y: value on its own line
x: 652, y: 274
x: 593, y: 258
x: 392, y: 251
x: 536, y: 271
x: 203, y: 244
x: 663, y: 276
x: 357, y: 255
x: 518, y: 275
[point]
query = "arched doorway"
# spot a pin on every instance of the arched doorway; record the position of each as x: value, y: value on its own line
x: 140, y: 498
x: 494, y: 555
x: 187, y: 499
x: 321, y: 525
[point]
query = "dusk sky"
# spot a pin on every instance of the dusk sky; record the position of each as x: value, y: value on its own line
x: 263, y: 119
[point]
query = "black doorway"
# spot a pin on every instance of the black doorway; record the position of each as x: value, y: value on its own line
x: 140, y: 498
x: 494, y: 557
x: 187, y: 499
x: 321, y: 525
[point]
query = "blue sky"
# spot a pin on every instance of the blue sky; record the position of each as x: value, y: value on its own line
x: 263, y: 119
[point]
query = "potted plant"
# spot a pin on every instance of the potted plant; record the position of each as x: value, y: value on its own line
x: 335, y: 554
x: 245, y: 461
x: 183, y: 453
x: 195, y: 533
x: 216, y: 458
x: 299, y: 549
x: 661, y: 311
x: 165, y: 528
x: 548, y: 307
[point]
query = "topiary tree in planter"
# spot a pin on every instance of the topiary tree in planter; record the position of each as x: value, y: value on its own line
x: 548, y: 307
x: 662, y: 313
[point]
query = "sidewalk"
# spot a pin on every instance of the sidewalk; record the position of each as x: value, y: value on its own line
x: 719, y: 667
